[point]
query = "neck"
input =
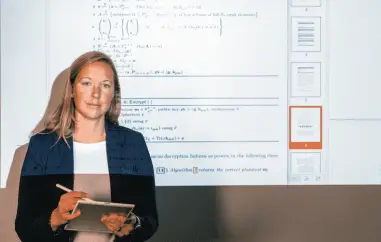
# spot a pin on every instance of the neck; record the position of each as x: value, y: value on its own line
x: 89, y: 131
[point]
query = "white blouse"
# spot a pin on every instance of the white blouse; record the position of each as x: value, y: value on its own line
x: 91, y: 175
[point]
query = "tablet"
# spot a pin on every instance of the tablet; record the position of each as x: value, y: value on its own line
x: 91, y: 214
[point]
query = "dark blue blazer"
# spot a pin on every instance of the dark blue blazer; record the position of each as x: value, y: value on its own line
x: 48, y: 162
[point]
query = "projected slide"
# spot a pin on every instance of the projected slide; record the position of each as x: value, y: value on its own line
x: 246, y: 92
x: 208, y: 109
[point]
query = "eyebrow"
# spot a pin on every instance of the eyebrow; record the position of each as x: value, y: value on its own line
x: 106, y: 80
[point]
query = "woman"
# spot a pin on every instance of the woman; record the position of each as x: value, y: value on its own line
x: 84, y: 149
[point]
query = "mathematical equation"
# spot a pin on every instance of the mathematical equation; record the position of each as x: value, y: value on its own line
x: 135, y: 10
x: 125, y: 63
x: 143, y: 111
x: 129, y: 30
x: 141, y: 119
x: 142, y: 128
x: 120, y: 28
x: 164, y: 138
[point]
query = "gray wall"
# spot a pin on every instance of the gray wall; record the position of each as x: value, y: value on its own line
x: 227, y: 214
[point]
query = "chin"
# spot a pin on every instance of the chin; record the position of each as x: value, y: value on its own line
x: 92, y: 115
x: 95, y: 117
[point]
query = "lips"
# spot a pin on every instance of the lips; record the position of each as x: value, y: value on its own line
x: 94, y: 105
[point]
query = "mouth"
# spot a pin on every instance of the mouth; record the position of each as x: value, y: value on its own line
x: 93, y: 105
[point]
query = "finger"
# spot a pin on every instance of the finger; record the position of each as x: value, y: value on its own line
x: 74, y: 202
x: 111, y: 223
x: 126, y: 229
x: 114, y: 223
x: 116, y: 226
x: 71, y: 216
x: 118, y: 219
x: 112, y: 219
x: 117, y: 215
x: 66, y: 207
x: 119, y: 234
x: 112, y: 228
x: 122, y: 219
x: 113, y: 216
x: 109, y: 228
x: 108, y: 221
x: 104, y: 218
x: 71, y: 200
x: 74, y: 194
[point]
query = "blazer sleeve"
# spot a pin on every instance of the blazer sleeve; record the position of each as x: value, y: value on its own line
x: 33, y: 210
x: 146, y: 210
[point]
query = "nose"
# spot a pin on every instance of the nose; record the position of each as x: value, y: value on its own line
x: 96, y: 92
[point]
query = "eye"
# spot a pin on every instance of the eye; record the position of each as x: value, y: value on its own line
x: 106, y: 85
x: 86, y: 83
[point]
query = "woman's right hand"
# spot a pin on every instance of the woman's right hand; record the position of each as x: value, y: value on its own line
x: 62, y: 213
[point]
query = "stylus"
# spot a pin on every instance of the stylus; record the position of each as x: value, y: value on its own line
x: 68, y: 190
x: 112, y: 238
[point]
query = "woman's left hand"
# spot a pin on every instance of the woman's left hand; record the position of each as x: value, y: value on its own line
x: 115, y: 223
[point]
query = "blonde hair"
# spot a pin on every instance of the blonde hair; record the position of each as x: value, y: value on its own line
x: 62, y: 121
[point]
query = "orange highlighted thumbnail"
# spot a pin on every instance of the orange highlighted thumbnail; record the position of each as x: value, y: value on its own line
x: 305, y: 127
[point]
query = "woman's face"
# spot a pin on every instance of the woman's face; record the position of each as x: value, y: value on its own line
x: 93, y: 90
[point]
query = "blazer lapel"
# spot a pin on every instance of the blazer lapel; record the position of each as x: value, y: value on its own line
x: 114, y: 148
x: 66, y: 157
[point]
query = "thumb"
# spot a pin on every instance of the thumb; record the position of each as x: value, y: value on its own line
x: 72, y: 216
